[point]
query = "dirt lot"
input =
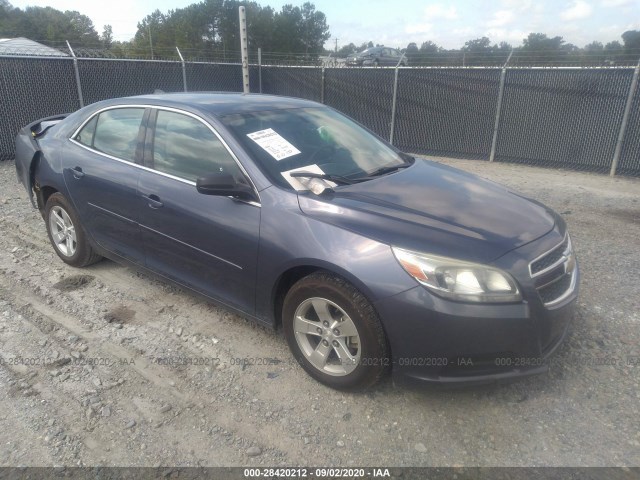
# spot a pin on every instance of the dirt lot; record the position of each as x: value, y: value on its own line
x: 93, y: 364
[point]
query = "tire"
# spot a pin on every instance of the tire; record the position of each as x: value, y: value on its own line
x: 376, y: 63
x: 66, y: 234
x: 365, y: 355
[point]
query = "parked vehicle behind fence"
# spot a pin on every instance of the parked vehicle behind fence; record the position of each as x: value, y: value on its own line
x: 378, y: 56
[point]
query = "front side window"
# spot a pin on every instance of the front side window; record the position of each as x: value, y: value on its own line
x: 186, y: 148
x: 116, y: 132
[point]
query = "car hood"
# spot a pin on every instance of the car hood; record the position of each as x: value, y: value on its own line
x: 437, y: 209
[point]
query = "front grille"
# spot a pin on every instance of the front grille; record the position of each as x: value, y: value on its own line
x: 554, y: 272
x: 555, y: 290
x: 549, y: 258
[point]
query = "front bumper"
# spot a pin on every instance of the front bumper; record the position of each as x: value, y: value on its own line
x: 434, y: 340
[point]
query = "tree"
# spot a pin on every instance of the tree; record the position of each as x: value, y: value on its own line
x: 613, y: 52
x: 347, y: 50
x: 315, y: 30
x: 429, y: 53
x: 152, y: 32
x: 211, y: 29
x: 477, y: 52
x: 412, y: 52
x: 538, y: 48
x: 631, y: 39
x: 107, y: 36
x: 83, y: 28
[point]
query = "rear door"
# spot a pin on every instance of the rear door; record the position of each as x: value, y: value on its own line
x: 209, y: 243
x: 389, y: 57
x: 394, y: 56
x: 101, y: 174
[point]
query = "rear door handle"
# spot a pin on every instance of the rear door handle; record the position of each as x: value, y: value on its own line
x: 77, y: 173
x: 153, y: 201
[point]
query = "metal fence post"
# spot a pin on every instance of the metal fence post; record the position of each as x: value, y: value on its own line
x: 260, y: 69
x: 625, y: 120
x: 244, y: 51
x: 494, y: 140
x: 392, y: 127
x: 184, y: 70
x: 322, y: 87
x: 77, y: 72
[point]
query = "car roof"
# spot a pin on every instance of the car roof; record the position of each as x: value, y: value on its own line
x: 217, y: 103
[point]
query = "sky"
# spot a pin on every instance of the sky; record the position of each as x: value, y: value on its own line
x: 448, y: 24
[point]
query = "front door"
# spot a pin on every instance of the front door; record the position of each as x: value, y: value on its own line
x: 209, y: 243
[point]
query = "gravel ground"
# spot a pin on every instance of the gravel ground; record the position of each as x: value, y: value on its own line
x: 82, y: 384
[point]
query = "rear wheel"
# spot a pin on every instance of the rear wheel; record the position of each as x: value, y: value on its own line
x: 66, y: 234
x: 335, y: 333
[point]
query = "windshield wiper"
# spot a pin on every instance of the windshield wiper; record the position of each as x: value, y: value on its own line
x: 385, y: 170
x: 339, y: 179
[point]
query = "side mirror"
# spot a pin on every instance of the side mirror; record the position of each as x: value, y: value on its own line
x: 225, y: 185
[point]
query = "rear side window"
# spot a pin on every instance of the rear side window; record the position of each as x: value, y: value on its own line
x: 115, y: 132
x: 85, y: 136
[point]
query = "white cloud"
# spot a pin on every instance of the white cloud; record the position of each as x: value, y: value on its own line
x: 616, y: 3
x: 501, y: 18
x: 512, y: 36
x: 519, y: 4
x: 579, y: 9
x: 422, y: 28
x: 437, y: 10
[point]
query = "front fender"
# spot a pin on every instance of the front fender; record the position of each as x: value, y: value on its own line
x: 289, y: 238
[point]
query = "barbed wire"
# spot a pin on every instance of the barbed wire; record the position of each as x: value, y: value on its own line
x: 449, y: 58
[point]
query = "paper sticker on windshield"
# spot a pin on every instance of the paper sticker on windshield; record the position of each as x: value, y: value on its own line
x: 273, y: 143
x: 298, y: 183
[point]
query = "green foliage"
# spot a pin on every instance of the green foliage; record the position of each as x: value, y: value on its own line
x: 47, y: 24
x: 107, y: 37
x: 211, y: 28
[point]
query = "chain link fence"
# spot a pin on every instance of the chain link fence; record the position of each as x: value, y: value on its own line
x: 445, y: 110
x: 366, y: 95
x: 102, y: 79
x: 579, y: 118
x: 562, y: 118
x: 629, y: 163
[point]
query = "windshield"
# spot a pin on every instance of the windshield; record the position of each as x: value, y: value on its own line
x: 369, y: 51
x: 317, y: 140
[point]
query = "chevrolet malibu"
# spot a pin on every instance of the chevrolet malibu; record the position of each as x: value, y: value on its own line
x: 291, y: 214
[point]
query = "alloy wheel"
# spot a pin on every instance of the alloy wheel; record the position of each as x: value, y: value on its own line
x: 327, y: 336
x: 63, y: 232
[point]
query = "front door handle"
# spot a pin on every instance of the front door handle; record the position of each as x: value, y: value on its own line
x: 153, y: 201
x: 77, y: 173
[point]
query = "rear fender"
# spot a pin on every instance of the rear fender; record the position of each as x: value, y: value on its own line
x: 28, y: 151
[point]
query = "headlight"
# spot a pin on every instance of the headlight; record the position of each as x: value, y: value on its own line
x: 459, y: 280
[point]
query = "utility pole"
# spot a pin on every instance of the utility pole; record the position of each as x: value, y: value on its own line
x: 336, y: 45
x: 245, y: 51
x: 150, y: 41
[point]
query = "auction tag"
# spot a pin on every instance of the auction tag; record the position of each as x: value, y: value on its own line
x: 273, y: 143
x: 295, y: 181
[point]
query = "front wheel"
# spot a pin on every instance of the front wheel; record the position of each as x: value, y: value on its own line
x: 335, y: 333
x: 66, y: 234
